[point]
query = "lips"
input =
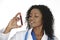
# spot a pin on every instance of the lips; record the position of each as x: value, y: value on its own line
x: 31, y: 22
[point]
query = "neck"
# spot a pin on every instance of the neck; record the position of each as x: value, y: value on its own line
x: 38, y: 32
x: 38, y: 29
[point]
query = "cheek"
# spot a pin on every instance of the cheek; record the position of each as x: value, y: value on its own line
x: 38, y: 22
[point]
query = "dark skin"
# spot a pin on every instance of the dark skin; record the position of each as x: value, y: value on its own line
x: 38, y: 34
x: 35, y: 21
x: 13, y: 23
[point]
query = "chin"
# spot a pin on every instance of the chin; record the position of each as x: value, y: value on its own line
x: 33, y: 26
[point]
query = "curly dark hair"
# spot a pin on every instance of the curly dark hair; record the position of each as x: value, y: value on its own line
x: 48, y: 19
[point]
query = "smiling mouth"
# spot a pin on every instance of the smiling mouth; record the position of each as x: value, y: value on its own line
x: 31, y: 22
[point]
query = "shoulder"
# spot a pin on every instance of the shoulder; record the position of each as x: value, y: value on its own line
x: 55, y: 38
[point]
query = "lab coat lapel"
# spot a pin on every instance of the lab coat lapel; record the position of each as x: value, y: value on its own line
x: 29, y: 37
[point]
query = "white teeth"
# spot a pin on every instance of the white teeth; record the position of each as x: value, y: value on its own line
x: 31, y: 22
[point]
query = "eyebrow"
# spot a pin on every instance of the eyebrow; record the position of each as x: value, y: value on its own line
x: 31, y: 14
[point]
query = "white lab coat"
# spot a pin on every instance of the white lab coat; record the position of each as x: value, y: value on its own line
x: 21, y: 35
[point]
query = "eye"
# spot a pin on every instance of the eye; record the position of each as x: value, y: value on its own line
x: 36, y: 16
x: 30, y: 16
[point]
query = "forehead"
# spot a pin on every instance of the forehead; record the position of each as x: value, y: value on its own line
x: 35, y: 11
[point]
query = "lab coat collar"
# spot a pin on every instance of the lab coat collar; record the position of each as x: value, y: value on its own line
x: 43, y: 38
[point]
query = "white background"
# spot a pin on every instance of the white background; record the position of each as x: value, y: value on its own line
x: 9, y: 8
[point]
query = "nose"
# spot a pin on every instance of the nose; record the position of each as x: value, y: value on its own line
x: 31, y: 19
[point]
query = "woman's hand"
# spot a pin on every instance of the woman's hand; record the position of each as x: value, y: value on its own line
x: 13, y: 23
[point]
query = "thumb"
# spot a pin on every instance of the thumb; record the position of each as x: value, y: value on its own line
x: 20, y: 26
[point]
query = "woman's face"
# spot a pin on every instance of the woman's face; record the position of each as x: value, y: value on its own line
x: 35, y: 18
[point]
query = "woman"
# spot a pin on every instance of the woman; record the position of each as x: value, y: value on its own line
x: 39, y: 23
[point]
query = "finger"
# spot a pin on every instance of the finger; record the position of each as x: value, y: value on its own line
x: 18, y: 14
x: 14, y: 18
x: 17, y: 19
x: 20, y: 26
x: 17, y: 26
